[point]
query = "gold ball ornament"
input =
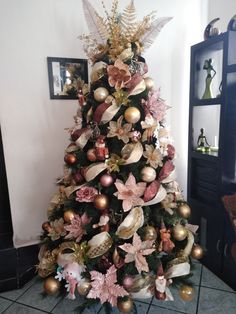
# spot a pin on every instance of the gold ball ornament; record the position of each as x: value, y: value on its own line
x: 100, y: 94
x: 179, y: 232
x: 84, y: 287
x: 51, y: 285
x: 125, y: 306
x: 68, y: 215
x: 186, y: 293
x: 197, y: 252
x: 149, y: 83
x: 184, y: 211
x: 148, y: 174
x: 101, y: 202
x: 150, y: 233
x: 132, y: 115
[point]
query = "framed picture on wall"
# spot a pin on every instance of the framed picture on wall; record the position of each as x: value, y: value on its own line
x: 64, y: 75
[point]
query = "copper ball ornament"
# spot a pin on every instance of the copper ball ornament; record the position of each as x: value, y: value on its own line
x: 179, y: 232
x: 150, y: 233
x: 100, y: 94
x: 186, y: 292
x: 46, y: 226
x: 125, y: 306
x: 70, y: 159
x: 197, y: 251
x: 84, y: 287
x: 148, y: 174
x: 106, y: 180
x: 184, y: 210
x: 149, y: 83
x: 68, y: 215
x: 101, y: 202
x: 51, y: 285
x: 91, y: 154
x: 132, y: 115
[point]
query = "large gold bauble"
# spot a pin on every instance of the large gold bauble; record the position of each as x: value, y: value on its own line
x: 101, y: 202
x: 149, y: 83
x: 69, y: 214
x: 84, y: 287
x: 148, y: 174
x: 150, y: 233
x: 125, y: 306
x: 132, y: 115
x: 51, y: 285
x: 186, y: 293
x: 179, y: 232
x: 100, y: 94
x: 197, y: 252
x: 184, y: 210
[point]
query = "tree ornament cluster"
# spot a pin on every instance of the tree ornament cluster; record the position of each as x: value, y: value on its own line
x: 117, y: 226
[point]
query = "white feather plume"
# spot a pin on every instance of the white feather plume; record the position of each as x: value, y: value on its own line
x: 94, y: 22
x: 149, y: 37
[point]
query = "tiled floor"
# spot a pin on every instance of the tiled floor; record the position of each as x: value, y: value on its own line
x: 212, y: 296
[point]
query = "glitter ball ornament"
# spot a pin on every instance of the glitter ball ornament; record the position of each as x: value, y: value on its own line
x: 125, y: 306
x: 179, y: 232
x: 149, y: 233
x: 149, y: 83
x: 69, y: 214
x: 91, y: 154
x: 128, y: 282
x: 100, y: 94
x: 132, y: 115
x: 101, y: 202
x: 51, y: 285
x: 197, y: 252
x: 106, y: 180
x: 135, y: 136
x: 184, y: 211
x: 70, y: 159
x: 84, y: 287
x: 148, y: 174
x: 186, y: 293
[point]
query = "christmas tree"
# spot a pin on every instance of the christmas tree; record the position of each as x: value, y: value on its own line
x: 117, y: 227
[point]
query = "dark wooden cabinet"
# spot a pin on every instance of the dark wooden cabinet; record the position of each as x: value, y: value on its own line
x: 212, y: 173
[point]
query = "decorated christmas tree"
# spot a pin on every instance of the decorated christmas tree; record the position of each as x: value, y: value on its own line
x: 117, y: 227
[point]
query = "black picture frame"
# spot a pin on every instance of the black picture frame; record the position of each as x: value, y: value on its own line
x: 63, y: 74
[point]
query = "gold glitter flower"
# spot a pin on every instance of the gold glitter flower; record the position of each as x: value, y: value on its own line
x: 122, y: 132
x: 114, y: 163
x: 153, y: 155
x: 121, y: 97
x: 57, y: 229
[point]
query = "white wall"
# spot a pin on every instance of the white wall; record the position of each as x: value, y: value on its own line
x: 222, y: 9
x: 32, y: 124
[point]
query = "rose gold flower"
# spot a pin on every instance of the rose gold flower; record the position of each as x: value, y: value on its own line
x: 86, y: 194
x: 118, y: 74
x: 153, y: 155
x: 122, y: 132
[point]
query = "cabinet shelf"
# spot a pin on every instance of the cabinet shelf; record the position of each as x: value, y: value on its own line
x: 211, y: 156
x: 206, y: 102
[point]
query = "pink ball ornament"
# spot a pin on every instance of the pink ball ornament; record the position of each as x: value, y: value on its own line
x: 106, y: 180
x: 128, y: 282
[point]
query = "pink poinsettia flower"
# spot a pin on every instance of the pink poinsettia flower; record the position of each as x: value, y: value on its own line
x: 76, y: 228
x: 118, y: 74
x: 137, y: 251
x: 155, y: 105
x: 105, y: 287
x: 130, y: 192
